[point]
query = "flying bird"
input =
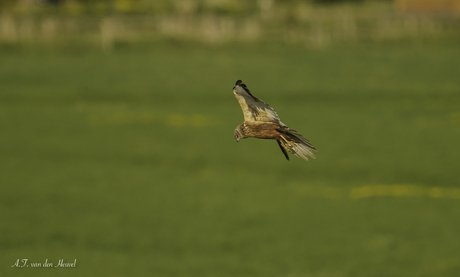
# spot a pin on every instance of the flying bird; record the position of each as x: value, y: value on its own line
x: 261, y: 121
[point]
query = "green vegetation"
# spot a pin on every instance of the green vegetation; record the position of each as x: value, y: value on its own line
x: 104, y: 24
x: 126, y: 161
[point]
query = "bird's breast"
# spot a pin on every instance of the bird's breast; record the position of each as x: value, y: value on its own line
x: 262, y: 130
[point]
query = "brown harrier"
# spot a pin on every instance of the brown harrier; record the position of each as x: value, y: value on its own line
x: 261, y: 121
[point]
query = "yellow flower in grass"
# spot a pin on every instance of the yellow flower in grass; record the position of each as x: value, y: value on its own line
x: 176, y: 120
x: 195, y: 120
x: 124, y: 5
x: 199, y: 120
x: 403, y: 191
x: 145, y: 117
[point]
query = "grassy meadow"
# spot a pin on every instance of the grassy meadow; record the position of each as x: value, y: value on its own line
x: 126, y: 161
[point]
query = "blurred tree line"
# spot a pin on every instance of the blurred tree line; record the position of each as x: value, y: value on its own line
x: 148, y: 6
x: 56, y: 2
x: 310, y: 22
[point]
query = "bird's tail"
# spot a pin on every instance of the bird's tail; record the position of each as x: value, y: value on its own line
x: 297, y: 144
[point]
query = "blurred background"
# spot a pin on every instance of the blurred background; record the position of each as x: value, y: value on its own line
x: 117, y: 148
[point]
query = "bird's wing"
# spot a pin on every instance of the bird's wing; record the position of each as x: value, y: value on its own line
x: 254, y: 109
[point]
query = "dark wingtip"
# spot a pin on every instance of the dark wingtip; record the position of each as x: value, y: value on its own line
x: 240, y: 83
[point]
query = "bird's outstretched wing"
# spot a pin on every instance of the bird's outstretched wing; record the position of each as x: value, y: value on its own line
x: 254, y: 109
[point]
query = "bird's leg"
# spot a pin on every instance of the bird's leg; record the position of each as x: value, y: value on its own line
x: 284, y: 139
x: 288, y: 142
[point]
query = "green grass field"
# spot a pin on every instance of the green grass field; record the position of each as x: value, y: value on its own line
x: 127, y: 163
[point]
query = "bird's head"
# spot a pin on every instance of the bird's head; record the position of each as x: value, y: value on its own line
x: 238, y: 134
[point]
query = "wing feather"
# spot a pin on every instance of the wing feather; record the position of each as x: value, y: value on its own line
x: 254, y: 109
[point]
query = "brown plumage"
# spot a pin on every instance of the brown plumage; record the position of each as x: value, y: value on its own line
x: 261, y: 121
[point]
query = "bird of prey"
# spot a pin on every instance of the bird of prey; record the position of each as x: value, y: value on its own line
x: 261, y: 121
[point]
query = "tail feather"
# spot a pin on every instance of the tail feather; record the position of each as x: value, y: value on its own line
x: 298, y: 145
